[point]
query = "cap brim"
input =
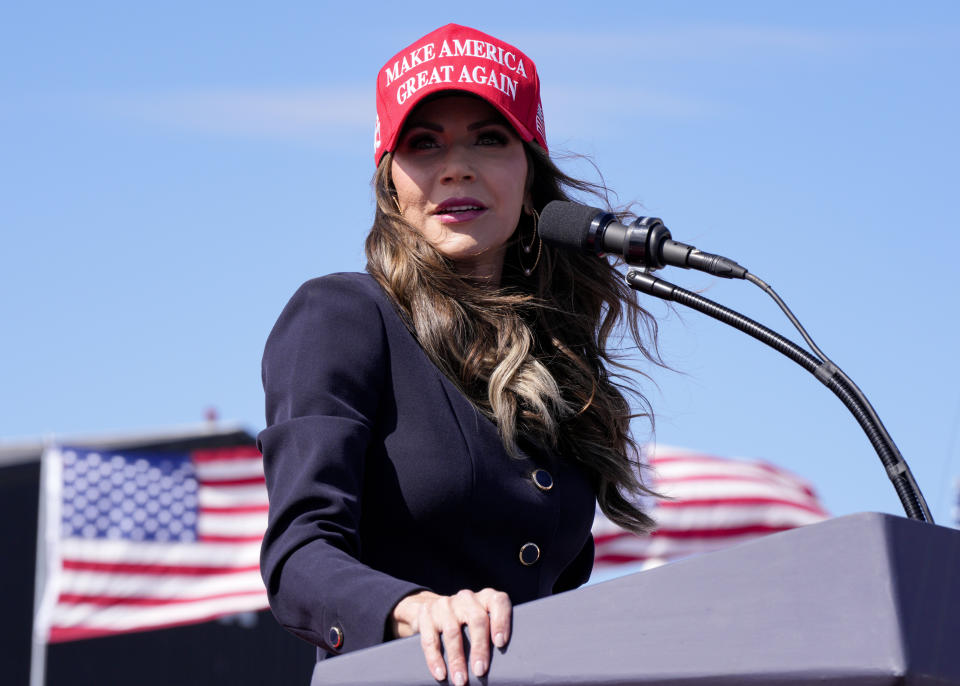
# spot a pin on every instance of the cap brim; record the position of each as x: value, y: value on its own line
x: 417, y: 99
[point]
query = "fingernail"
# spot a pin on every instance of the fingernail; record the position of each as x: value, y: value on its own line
x: 438, y: 673
x: 498, y: 640
x: 479, y: 668
x: 459, y: 679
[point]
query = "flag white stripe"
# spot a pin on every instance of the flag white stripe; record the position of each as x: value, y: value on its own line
x: 713, y: 517
x: 232, y: 496
x: 689, y: 466
x: 168, y: 586
x: 669, y: 549
x: 691, y: 490
x: 171, y: 554
x: 700, y: 466
x: 230, y: 469
x: 232, y: 525
x: 123, y: 618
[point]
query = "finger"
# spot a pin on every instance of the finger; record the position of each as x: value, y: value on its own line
x: 500, y: 610
x: 471, y: 612
x: 445, y: 618
x: 430, y: 643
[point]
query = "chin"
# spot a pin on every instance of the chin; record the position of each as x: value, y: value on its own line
x: 461, y: 250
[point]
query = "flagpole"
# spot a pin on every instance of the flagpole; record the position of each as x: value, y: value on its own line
x: 38, y: 645
x: 50, y: 470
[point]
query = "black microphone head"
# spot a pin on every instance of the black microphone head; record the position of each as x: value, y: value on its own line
x: 567, y: 224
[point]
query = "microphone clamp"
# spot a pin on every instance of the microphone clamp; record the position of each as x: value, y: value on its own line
x: 641, y: 243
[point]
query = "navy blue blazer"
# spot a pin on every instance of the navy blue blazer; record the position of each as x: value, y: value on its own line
x: 384, y: 479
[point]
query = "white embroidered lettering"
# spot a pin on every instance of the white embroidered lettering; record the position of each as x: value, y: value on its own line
x: 508, y: 86
x: 393, y: 73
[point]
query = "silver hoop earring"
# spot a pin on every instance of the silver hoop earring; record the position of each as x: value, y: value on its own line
x: 526, y: 249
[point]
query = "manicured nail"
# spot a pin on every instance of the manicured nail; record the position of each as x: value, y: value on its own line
x: 438, y: 673
x: 499, y: 641
x: 459, y: 679
x: 479, y: 668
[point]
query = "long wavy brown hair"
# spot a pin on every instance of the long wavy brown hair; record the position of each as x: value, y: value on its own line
x: 539, y: 355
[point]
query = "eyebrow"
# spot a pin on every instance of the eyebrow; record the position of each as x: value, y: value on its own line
x: 499, y: 121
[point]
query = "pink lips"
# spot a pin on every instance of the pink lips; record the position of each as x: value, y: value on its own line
x: 455, y: 210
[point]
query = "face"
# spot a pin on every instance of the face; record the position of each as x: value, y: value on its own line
x: 460, y: 173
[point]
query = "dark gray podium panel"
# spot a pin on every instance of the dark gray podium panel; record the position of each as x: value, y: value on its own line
x: 863, y: 599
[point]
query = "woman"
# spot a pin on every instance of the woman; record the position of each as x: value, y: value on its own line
x: 441, y: 429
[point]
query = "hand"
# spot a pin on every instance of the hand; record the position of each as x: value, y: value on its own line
x: 486, y: 615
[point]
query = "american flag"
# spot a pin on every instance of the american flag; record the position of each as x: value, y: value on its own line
x: 136, y: 540
x: 714, y: 502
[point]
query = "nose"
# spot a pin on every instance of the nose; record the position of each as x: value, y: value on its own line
x: 458, y: 166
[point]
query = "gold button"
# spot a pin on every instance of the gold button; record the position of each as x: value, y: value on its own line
x: 529, y: 554
x: 542, y: 479
x: 335, y: 637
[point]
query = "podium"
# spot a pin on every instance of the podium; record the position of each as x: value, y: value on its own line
x: 863, y: 599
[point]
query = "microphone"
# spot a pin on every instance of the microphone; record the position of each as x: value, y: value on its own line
x: 645, y: 243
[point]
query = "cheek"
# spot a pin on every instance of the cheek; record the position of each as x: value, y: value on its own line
x: 412, y: 201
x: 515, y: 193
x: 407, y: 189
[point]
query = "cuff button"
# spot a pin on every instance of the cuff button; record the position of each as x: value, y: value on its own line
x: 335, y: 637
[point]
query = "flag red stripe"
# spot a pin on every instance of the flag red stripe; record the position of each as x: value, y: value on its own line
x: 233, y: 509
x: 110, y: 601
x: 136, y: 568
x: 237, y: 452
x: 618, y: 559
x: 742, y: 501
x: 714, y: 477
x: 757, y: 529
x: 210, y: 538
x: 689, y: 458
x: 600, y: 539
x: 246, y: 481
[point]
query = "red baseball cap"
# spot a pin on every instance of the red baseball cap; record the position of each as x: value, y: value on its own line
x: 458, y: 58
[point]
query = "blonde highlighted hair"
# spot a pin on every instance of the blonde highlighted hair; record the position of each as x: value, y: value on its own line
x: 534, y: 355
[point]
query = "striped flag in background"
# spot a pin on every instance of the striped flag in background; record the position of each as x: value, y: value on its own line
x: 137, y: 541
x: 716, y: 502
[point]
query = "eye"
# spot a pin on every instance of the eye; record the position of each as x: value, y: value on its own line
x: 422, y: 141
x: 492, y: 137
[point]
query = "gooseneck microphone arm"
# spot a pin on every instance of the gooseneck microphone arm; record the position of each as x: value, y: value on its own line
x: 826, y: 371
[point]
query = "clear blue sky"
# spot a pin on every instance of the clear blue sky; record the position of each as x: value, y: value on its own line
x: 173, y: 171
